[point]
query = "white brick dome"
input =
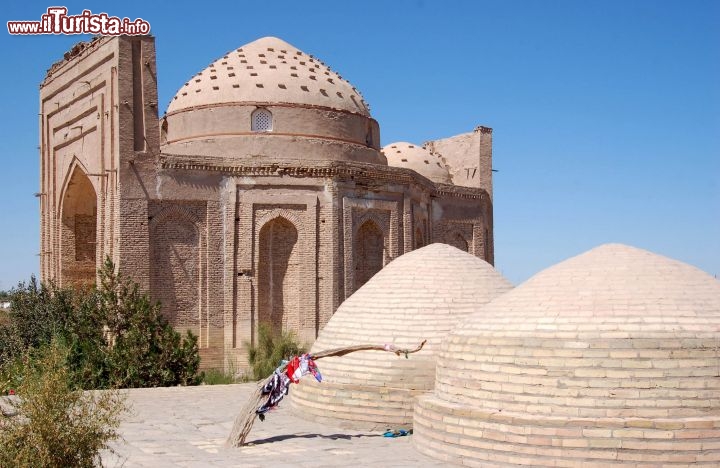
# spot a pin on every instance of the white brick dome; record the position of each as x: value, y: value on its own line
x: 420, y: 295
x: 417, y: 158
x: 611, y: 357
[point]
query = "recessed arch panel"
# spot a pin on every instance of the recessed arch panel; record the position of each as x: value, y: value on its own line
x: 368, y: 252
x: 78, y: 230
x: 279, y: 275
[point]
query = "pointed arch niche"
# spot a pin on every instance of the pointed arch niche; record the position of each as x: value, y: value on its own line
x: 279, y: 275
x: 363, y: 251
x: 368, y: 248
x: 457, y: 240
x: 78, y: 230
x: 176, y: 243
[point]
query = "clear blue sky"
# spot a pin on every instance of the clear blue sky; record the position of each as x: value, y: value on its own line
x: 606, y: 114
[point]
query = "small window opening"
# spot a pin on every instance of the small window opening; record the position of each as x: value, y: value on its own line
x: 262, y: 121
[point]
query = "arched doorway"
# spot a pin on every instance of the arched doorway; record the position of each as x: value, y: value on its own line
x: 279, y: 275
x: 368, y: 252
x: 78, y: 236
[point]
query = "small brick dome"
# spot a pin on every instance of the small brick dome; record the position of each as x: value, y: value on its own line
x: 608, y: 358
x: 420, y: 295
x: 417, y: 158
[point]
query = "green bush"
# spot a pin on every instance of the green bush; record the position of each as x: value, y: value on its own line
x: 115, y: 335
x: 221, y: 377
x: 227, y: 376
x: 55, y: 424
x: 272, y: 347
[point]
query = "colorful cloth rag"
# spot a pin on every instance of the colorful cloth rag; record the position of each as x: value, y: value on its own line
x: 276, y: 388
x: 279, y: 384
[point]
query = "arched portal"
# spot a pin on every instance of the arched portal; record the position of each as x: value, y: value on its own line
x: 457, y: 240
x: 78, y: 236
x: 368, y: 252
x: 279, y: 275
x: 175, y: 269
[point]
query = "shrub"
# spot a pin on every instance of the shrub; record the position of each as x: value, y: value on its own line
x: 272, y: 347
x: 55, y: 424
x: 145, y: 350
x: 115, y: 335
x: 221, y: 376
x: 38, y: 312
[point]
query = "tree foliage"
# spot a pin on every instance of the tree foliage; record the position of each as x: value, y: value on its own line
x: 51, y: 423
x: 271, y: 348
x: 115, y: 336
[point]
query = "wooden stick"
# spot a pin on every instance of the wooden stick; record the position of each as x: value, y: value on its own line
x: 352, y: 349
x: 245, y: 420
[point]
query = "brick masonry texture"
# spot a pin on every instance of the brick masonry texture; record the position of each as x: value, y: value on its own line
x: 609, y: 358
x: 229, y: 227
x: 419, y: 296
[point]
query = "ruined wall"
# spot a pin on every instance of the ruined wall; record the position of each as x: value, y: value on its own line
x: 98, y: 116
x: 79, y: 121
x: 468, y: 157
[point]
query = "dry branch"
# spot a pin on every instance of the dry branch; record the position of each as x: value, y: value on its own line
x: 244, y: 421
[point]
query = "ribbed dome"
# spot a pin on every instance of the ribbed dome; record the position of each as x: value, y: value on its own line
x: 612, y: 355
x: 420, y: 295
x: 268, y: 70
x: 417, y: 158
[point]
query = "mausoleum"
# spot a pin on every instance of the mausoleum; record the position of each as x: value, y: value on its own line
x: 261, y: 195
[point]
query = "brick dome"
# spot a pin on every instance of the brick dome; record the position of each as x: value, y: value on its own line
x: 420, y: 295
x: 417, y: 158
x: 609, y: 358
x: 275, y: 102
x: 269, y: 70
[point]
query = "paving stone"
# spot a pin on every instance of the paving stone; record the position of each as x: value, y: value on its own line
x: 159, y: 435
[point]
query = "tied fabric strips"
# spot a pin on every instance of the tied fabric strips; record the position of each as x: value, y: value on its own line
x: 288, y: 372
x: 300, y: 366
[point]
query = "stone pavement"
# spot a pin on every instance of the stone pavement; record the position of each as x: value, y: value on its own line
x: 187, y: 427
